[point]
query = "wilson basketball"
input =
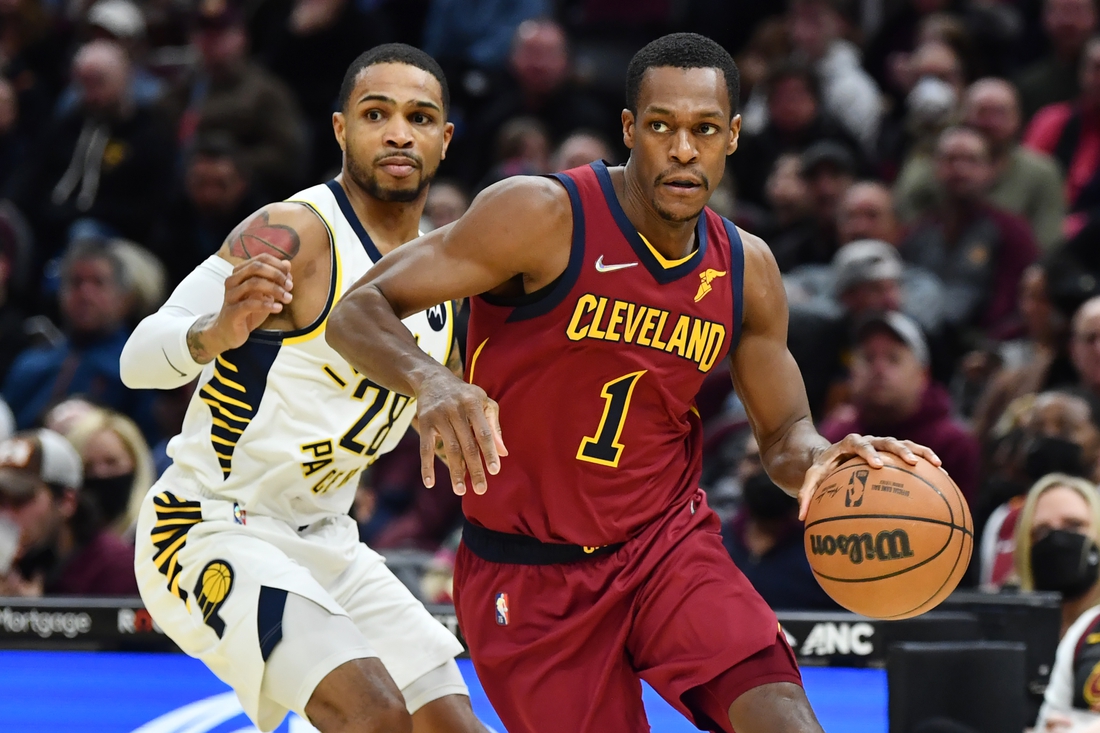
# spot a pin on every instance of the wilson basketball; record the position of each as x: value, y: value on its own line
x: 888, y: 542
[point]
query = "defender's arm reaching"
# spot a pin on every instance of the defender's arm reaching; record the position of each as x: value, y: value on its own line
x: 514, y: 239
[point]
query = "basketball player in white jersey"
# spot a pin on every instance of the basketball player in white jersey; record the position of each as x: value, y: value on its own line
x: 246, y: 556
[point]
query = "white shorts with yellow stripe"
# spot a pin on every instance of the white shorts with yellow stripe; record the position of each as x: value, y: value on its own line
x: 217, y: 582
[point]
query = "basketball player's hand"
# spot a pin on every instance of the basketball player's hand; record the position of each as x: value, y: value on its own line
x: 866, y: 447
x: 464, y: 420
x: 257, y: 288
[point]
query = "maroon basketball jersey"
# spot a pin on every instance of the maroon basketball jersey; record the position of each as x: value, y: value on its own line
x: 596, y: 375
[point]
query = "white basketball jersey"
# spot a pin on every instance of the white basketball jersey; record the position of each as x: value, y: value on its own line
x: 283, y: 425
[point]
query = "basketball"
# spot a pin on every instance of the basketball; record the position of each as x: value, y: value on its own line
x: 890, y: 542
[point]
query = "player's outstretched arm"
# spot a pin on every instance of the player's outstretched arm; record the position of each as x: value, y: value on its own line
x: 516, y: 234
x: 770, y: 386
x: 247, y: 284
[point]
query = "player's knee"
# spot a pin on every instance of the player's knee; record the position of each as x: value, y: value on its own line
x: 358, y: 697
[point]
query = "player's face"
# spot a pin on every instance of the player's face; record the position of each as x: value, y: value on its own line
x: 393, y: 132
x: 680, y: 138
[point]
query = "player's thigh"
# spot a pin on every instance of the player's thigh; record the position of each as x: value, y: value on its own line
x: 408, y: 639
x: 696, y: 617
x: 548, y: 644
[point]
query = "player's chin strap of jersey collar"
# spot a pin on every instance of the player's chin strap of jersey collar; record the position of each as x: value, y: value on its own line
x: 517, y: 549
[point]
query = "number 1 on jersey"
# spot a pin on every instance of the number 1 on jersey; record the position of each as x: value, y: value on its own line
x: 604, y: 447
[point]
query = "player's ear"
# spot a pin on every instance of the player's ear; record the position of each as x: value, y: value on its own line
x: 628, y: 129
x: 339, y: 130
x: 735, y: 134
x: 448, y: 133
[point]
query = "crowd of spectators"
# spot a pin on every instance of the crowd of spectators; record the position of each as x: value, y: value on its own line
x: 926, y: 172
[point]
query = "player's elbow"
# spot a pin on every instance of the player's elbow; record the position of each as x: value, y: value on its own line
x: 129, y: 366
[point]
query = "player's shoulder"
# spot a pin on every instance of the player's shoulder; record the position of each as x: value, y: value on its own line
x: 529, y: 194
x: 758, y: 255
x: 286, y: 229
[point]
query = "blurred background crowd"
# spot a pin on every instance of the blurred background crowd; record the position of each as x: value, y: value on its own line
x: 927, y: 173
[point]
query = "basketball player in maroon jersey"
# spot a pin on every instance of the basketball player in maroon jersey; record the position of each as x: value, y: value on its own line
x: 602, y: 298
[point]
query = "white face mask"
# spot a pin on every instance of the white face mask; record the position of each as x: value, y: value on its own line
x: 931, y: 99
x: 9, y: 543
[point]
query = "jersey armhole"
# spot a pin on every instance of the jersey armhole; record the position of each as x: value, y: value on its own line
x: 545, y: 299
x: 737, y: 280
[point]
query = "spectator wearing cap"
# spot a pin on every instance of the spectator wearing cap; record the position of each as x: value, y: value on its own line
x: 60, y: 548
x: 93, y: 305
x: 865, y: 277
x: 217, y: 194
x: 106, y: 164
x: 1025, y: 183
x: 828, y: 170
x: 1054, y: 78
x: 1070, y: 132
x: 122, y: 22
x: 892, y: 394
x: 232, y: 95
x: 794, y: 120
x: 979, y: 251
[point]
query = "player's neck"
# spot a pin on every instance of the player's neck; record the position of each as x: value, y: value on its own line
x: 673, y: 239
x: 389, y: 223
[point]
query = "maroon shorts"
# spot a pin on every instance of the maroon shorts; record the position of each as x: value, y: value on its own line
x: 563, y: 647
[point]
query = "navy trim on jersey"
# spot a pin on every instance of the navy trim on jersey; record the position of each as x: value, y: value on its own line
x: 549, y: 297
x: 661, y: 274
x: 737, y: 280
x: 346, y: 209
x: 269, y: 619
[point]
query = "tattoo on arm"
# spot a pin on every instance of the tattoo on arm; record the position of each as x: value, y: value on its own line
x: 198, y: 350
x: 260, y: 236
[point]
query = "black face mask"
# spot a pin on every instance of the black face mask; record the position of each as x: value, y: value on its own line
x: 765, y: 500
x: 1048, y: 454
x: 1067, y: 562
x: 111, y: 495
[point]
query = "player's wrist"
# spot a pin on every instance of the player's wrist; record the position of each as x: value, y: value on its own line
x: 425, y: 372
x: 206, y: 339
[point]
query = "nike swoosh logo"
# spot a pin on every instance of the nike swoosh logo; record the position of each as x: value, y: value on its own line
x: 601, y: 267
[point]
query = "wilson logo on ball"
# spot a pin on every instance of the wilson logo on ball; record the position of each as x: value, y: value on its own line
x: 888, y: 545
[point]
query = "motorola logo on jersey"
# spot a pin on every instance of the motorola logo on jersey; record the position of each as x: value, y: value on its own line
x: 437, y: 317
x: 887, y: 545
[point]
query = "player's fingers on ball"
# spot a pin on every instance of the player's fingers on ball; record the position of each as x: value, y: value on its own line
x: 864, y: 447
x: 486, y: 438
x: 924, y: 452
x: 901, y: 448
x: 809, y: 485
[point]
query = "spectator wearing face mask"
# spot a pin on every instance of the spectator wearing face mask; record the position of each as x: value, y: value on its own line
x: 1056, y: 543
x: 764, y: 539
x: 1063, y: 556
x: 118, y: 467
x: 1055, y: 434
x: 49, y: 533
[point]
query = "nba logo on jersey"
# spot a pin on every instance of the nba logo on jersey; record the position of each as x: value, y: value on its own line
x: 502, y: 609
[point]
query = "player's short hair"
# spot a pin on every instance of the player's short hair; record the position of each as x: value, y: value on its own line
x: 393, y: 53
x: 682, y: 51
